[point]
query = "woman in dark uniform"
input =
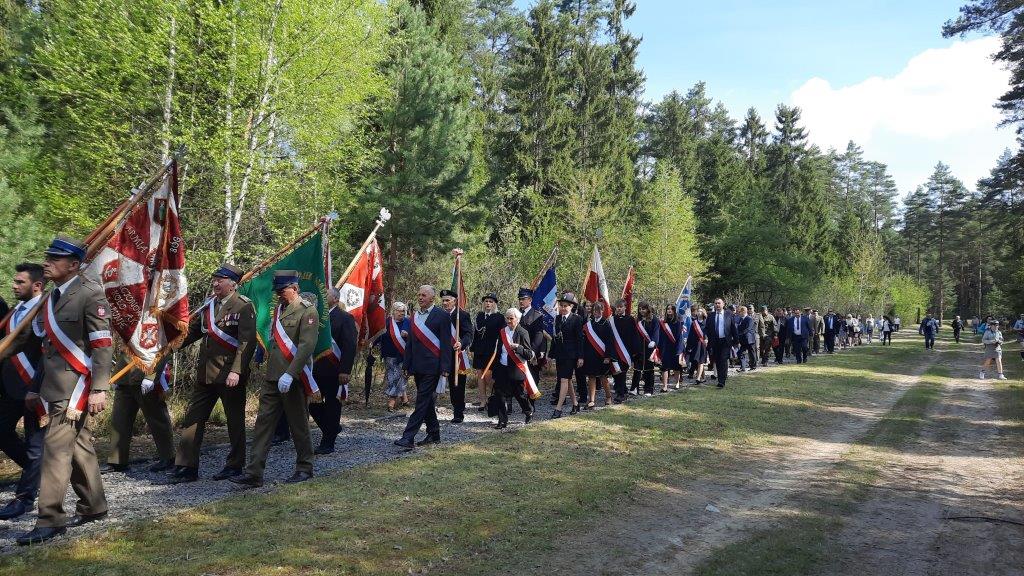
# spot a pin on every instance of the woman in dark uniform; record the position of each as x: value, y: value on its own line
x: 643, y: 366
x: 508, y: 376
x: 597, y: 363
x: 670, y: 347
x: 696, y: 345
x: 488, y: 323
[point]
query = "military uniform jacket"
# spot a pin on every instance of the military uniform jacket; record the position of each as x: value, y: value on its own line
x: 301, y: 322
x: 567, y: 343
x: 83, y: 315
x: 237, y: 318
x: 533, y: 322
x: 14, y: 386
x: 759, y: 326
x: 485, y: 340
x: 819, y: 326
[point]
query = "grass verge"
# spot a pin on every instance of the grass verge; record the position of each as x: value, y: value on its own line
x: 467, y: 508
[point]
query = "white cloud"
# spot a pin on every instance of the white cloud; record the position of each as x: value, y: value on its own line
x: 938, y: 108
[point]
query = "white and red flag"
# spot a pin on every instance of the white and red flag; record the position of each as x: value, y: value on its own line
x: 363, y: 292
x: 142, y: 273
x: 627, y: 290
x: 595, y: 286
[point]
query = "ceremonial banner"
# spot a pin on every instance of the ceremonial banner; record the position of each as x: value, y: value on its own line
x: 308, y: 260
x: 363, y: 292
x: 627, y: 290
x: 458, y: 286
x: 141, y: 269
x: 683, y: 307
x: 595, y: 286
x: 545, y: 293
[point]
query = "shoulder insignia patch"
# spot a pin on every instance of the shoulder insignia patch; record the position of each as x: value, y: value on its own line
x: 102, y: 312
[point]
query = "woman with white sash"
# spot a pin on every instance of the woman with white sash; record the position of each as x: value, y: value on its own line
x: 511, y: 371
x: 600, y: 359
x: 392, y: 349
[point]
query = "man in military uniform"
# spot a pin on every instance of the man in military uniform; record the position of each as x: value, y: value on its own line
x: 489, y: 322
x: 18, y: 379
x: 818, y: 328
x: 226, y: 329
x: 333, y: 373
x: 137, y: 391
x: 457, y: 390
x: 75, y: 376
x: 533, y: 321
x: 284, y: 389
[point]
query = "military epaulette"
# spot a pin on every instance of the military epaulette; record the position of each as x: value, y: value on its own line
x: 308, y: 304
x: 244, y: 298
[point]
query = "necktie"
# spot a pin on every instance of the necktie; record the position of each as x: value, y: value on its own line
x: 56, y: 295
x: 18, y: 313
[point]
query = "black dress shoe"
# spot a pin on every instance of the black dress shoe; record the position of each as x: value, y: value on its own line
x: 299, y: 477
x: 458, y: 420
x: 82, y: 519
x: 500, y: 426
x: 720, y: 386
x: 247, y: 480
x: 14, y: 508
x: 556, y: 414
x: 528, y: 417
x: 184, y: 475
x: 404, y: 444
x: 575, y: 410
x: 429, y: 440
x: 161, y: 465
x: 38, y: 535
x: 324, y: 449
x: 279, y: 440
x: 226, y: 473
x: 108, y: 468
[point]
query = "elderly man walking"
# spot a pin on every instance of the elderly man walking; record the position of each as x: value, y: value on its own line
x: 428, y: 357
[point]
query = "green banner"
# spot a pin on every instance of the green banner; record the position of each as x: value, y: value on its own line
x: 308, y: 259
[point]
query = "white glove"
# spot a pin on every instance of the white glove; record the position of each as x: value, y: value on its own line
x: 284, y: 383
x: 147, y: 385
x: 342, y: 392
x: 650, y: 344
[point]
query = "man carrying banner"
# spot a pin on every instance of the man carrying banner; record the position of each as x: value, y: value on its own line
x: 18, y: 374
x: 428, y: 357
x: 138, y: 391
x: 333, y: 372
x: 226, y: 329
x: 461, y: 344
x: 288, y: 381
x: 76, y: 359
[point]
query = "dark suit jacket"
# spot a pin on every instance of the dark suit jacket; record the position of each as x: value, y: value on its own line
x: 485, y: 339
x: 344, y: 333
x: 521, y: 346
x: 14, y: 387
x: 419, y: 359
x: 533, y: 322
x: 835, y: 323
x: 626, y: 327
x: 568, y: 341
x: 711, y: 330
x: 805, y: 328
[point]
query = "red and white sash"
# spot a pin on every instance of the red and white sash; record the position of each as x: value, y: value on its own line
x: 214, y: 331
x: 462, y: 359
x: 396, y: 335
x: 335, y: 352
x: 20, y: 361
x: 667, y: 331
x: 288, y: 349
x: 75, y: 357
x: 598, y: 344
x: 655, y: 355
x: 529, y: 384
x: 620, y: 345
x: 429, y: 340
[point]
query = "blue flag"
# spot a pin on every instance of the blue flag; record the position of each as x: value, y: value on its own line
x: 545, y: 295
x: 683, y: 305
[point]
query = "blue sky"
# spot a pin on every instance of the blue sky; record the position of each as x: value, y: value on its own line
x: 879, y: 73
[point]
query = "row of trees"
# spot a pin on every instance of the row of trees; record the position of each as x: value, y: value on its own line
x: 504, y: 131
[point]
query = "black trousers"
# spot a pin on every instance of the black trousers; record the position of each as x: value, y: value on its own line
x: 509, y: 390
x: 929, y: 341
x: 581, y: 385
x: 426, y: 408
x: 326, y: 414
x: 26, y: 453
x: 457, y: 391
x: 719, y: 354
x: 643, y: 370
x: 830, y: 342
x: 620, y: 384
x: 956, y: 336
x: 800, y: 349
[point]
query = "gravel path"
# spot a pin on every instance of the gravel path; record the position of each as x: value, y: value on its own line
x: 137, y: 493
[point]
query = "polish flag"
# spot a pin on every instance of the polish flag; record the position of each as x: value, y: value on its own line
x: 595, y: 286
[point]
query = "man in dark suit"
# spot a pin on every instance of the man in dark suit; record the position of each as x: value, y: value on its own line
x: 722, y: 336
x: 567, y: 350
x: 18, y: 379
x: 798, y: 330
x: 832, y: 323
x: 748, y: 339
x: 489, y: 322
x: 333, y: 372
x: 533, y: 322
x: 428, y: 358
x: 457, y: 390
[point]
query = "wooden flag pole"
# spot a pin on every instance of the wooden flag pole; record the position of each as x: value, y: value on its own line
x: 95, y: 241
x: 255, y: 270
x: 382, y: 218
x: 457, y: 252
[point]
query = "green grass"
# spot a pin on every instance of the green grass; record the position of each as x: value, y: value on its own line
x: 464, y: 509
x: 802, y: 541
